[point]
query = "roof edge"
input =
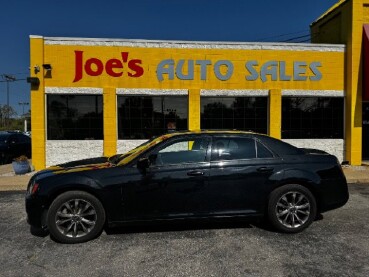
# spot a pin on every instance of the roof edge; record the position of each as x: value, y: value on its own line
x: 193, y: 44
x: 329, y: 11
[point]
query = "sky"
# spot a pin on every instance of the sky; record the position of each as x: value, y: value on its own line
x: 199, y: 20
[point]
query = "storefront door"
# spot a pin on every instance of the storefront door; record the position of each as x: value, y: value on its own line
x: 365, y: 140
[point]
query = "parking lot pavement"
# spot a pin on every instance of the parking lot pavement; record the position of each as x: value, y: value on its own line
x: 336, y: 245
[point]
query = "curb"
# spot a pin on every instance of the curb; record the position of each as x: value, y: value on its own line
x: 357, y: 181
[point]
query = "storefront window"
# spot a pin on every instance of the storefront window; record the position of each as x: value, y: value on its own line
x: 312, y: 117
x: 142, y: 117
x: 241, y: 113
x: 74, y: 117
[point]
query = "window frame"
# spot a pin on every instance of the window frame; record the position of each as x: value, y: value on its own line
x: 341, y: 131
x: 122, y: 132
x: 48, y: 118
x: 263, y: 130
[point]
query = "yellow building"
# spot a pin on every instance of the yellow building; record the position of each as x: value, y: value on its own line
x: 344, y: 23
x: 93, y: 97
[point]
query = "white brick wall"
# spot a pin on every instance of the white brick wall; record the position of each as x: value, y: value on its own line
x: 332, y: 146
x: 62, y: 151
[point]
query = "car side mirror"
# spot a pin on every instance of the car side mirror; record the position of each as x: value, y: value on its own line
x: 143, y: 163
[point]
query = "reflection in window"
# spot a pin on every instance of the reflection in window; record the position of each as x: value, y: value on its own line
x: 241, y: 113
x: 312, y: 117
x: 74, y: 117
x: 183, y: 151
x: 142, y: 117
x: 233, y: 149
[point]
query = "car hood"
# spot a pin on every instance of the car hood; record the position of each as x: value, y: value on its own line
x: 76, y: 166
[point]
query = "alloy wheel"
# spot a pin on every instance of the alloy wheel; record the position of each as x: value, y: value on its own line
x: 76, y: 218
x: 293, y: 209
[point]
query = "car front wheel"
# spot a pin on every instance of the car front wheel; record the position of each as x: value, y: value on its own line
x: 75, y: 216
x: 291, y: 208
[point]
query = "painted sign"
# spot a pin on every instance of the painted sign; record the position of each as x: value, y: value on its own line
x: 113, y: 67
x: 268, y: 71
x: 170, y: 69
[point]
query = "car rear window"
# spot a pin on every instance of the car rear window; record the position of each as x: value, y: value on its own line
x: 279, y: 147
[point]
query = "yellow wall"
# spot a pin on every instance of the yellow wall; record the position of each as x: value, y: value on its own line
x: 275, y: 113
x: 347, y: 20
x: 38, y: 104
x: 110, y: 121
x: 63, y: 61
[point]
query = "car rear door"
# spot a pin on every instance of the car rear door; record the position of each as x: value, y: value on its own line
x: 240, y: 170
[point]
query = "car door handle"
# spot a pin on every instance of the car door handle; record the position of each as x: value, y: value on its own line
x: 195, y: 173
x: 265, y: 169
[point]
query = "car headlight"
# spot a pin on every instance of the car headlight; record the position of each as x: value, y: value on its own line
x: 33, y: 188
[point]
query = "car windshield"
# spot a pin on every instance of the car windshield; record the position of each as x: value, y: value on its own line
x: 125, y: 158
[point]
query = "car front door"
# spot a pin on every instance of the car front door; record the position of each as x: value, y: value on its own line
x: 179, y: 170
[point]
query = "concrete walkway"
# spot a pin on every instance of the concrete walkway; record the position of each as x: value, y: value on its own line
x: 9, y: 181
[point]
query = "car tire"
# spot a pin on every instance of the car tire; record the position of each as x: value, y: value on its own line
x: 291, y: 208
x: 75, y: 217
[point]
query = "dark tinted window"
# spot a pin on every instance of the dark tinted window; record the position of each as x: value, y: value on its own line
x: 262, y: 151
x: 233, y: 149
x: 142, y: 117
x: 312, y: 117
x: 74, y: 117
x: 280, y: 147
x: 189, y: 150
x: 241, y: 113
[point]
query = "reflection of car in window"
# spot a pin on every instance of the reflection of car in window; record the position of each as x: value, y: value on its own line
x: 183, y: 151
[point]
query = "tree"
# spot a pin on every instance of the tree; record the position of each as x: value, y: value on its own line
x: 6, y: 113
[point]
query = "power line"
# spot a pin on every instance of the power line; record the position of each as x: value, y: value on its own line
x: 283, y: 35
x: 12, y: 80
x: 291, y: 39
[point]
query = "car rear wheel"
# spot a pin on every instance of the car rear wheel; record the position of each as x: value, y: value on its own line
x: 291, y: 208
x: 75, y: 216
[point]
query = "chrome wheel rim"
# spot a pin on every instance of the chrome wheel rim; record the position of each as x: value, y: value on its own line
x: 76, y: 218
x: 293, y: 209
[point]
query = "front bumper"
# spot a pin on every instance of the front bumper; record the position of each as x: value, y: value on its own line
x: 36, y: 212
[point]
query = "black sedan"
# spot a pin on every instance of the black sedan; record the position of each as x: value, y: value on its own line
x: 188, y: 175
x: 13, y: 145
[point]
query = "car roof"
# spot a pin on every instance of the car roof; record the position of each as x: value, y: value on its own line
x: 9, y: 133
x: 212, y: 132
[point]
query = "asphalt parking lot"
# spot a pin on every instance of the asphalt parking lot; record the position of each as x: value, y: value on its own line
x: 335, y: 245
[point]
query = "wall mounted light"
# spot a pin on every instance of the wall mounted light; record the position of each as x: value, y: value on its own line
x: 33, y: 81
x: 36, y: 69
x: 47, y: 66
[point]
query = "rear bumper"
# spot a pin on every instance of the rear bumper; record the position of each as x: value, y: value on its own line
x: 333, y: 194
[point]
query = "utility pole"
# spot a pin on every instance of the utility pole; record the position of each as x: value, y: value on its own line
x: 8, y: 78
x: 25, y: 119
x: 23, y: 104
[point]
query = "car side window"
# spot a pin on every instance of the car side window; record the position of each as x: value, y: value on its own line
x: 262, y: 151
x: 190, y: 150
x: 233, y: 149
